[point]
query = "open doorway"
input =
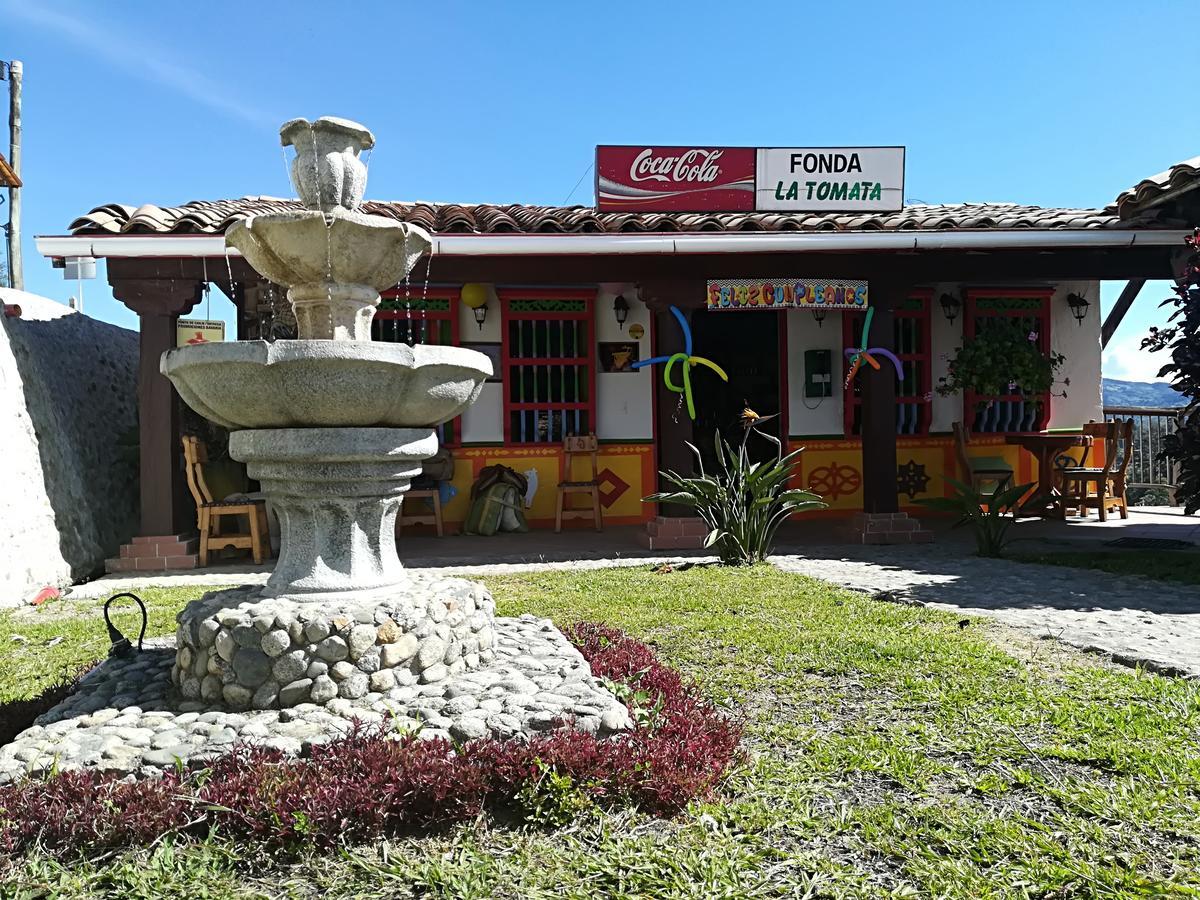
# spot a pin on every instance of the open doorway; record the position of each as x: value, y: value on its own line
x: 746, y: 345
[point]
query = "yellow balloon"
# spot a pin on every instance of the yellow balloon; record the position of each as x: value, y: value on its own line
x: 474, y: 295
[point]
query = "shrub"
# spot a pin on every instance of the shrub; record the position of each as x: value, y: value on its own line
x: 373, y: 783
x: 743, y: 503
x: 998, y: 361
x: 989, y: 515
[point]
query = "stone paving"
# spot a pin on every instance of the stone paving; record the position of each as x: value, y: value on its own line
x: 125, y: 717
x: 1134, y: 620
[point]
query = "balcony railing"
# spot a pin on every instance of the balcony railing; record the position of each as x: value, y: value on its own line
x: 1147, y: 469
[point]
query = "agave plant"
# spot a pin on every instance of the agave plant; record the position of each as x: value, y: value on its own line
x: 743, y: 503
x: 990, y: 515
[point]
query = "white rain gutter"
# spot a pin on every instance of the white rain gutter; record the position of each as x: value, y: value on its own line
x: 196, y: 246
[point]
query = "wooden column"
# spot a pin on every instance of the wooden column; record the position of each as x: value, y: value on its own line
x: 879, y: 403
x: 165, y: 506
x: 672, y: 427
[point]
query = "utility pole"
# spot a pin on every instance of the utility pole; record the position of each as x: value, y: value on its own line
x: 16, y: 274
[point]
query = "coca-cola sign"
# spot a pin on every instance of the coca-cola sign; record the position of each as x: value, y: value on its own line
x: 674, y: 179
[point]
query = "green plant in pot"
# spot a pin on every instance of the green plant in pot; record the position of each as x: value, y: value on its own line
x: 743, y: 503
x: 1001, y: 360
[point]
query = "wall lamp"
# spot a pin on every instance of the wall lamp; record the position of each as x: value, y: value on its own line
x: 621, y: 309
x: 950, y: 306
x: 475, y: 296
x: 818, y: 314
x: 1079, y: 307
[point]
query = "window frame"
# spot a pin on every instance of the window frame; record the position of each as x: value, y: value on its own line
x: 971, y: 317
x: 451, y: 315
x: 924, y: 360
x: 507, y: 296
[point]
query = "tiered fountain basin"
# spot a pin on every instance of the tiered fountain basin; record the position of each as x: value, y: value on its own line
x: 326, y: 383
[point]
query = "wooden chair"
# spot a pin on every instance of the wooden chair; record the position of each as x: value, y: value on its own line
x: 210, y: 512
x: 979, y: 471
x: 1109, y: 480
x: 582, y: 445
x: 434, y: 518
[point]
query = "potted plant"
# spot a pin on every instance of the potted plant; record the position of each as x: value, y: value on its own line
x: 1000, y: 361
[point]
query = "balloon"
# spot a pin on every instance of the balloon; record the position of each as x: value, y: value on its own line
x: 686, y: 360
x: 474, y: 295
x: 858, y: 355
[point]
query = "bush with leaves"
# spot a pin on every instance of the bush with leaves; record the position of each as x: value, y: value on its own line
x: 989, y: 515
x: 998, y: 361
x: 1183, y: 340
x: 743, y: 502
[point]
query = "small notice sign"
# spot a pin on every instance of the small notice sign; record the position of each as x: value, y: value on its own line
x: 198, y: 331
x: 791, y: 293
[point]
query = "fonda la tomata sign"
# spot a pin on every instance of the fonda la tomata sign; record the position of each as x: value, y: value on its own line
x: 740, y: 179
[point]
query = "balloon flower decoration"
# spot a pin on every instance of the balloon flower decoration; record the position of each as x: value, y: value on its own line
x: 686, y: 360
x: 859, y: 355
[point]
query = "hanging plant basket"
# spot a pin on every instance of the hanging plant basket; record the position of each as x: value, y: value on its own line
x: 999, y: 362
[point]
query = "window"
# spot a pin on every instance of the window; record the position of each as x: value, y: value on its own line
x: 548, y: 365
x: 910, y: 343
x: 1029, y: 311
x: 425, y: 316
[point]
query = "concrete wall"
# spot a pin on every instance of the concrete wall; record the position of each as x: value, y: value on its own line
x: 68, y: 399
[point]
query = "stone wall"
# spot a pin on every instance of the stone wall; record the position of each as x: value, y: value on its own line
x: 68, y: 410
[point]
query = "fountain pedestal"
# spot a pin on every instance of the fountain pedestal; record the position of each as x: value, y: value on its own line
x: 336, y: 492
x: 339, y: 615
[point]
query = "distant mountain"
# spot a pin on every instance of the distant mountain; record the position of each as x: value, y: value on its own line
x: 1153, y: 394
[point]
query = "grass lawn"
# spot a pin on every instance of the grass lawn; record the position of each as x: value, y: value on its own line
x: 891, y: 753
x: 1181, y: 566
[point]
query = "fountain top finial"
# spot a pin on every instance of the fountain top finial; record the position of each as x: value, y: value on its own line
x: 295, y: 129
x: 327, y: 172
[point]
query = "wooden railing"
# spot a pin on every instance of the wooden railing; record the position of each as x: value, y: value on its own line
x: 1147, y: 468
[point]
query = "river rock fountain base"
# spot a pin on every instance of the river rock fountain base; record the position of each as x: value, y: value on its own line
x: 129, y: 719
x: 256, y: 652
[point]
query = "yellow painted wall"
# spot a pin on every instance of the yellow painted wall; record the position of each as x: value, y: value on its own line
x: 626, y: 474
x: 833, y: 468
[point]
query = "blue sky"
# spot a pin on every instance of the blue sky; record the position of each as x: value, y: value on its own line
x: 1044, y: 103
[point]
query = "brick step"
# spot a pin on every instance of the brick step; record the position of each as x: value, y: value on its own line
x: 665, y: 526
x: 129, y: 564
x: 670, y: 542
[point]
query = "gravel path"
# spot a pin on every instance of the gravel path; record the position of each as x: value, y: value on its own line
x: 1132, y: 619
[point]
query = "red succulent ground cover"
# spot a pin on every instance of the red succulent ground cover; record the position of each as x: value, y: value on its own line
x: 371, y: 784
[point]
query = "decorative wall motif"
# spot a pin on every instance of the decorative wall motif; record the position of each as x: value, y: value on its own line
x: 834, y: 480
x: 911, y: 479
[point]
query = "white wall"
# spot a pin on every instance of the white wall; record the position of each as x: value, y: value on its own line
x: 1079, y: 342
x: 624, y: 400
x: 483, y: 422
x: 813, y: 415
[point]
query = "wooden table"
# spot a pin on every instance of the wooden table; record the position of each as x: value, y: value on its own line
x: 1046, y: 446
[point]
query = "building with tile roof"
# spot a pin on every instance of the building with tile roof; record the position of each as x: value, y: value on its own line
x: 575, y: 293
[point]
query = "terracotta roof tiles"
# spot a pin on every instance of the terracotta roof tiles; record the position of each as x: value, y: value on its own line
x: 1148, y: 192
x: 215, y: 216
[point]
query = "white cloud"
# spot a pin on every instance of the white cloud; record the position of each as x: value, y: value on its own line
x: 1125, y: 360
x: 135, y: 55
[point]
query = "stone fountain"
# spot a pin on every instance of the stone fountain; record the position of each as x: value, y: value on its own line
x: 334, y: 427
